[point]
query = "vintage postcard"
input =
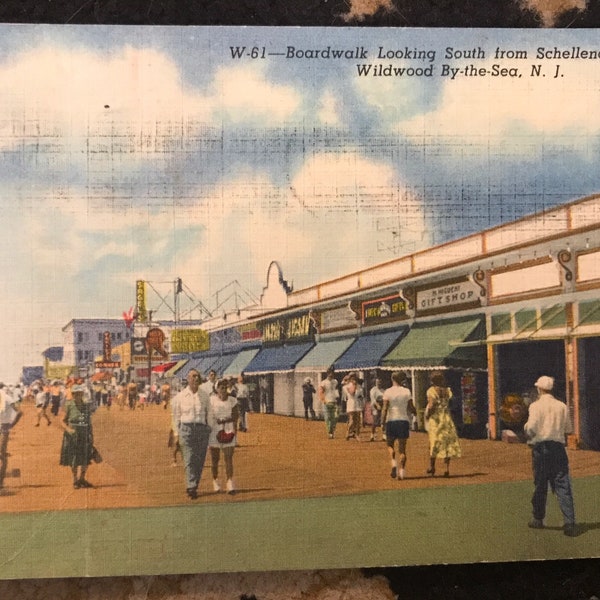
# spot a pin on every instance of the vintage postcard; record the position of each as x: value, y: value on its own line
x: 297, y: 298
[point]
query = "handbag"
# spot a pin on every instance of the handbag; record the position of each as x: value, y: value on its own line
x: 96, y: 456
x: 225, y: 437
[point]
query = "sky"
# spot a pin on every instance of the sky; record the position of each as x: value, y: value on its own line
x: 133, y: 153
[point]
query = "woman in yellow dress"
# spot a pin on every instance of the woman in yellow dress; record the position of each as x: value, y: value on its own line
x: 443, y: 439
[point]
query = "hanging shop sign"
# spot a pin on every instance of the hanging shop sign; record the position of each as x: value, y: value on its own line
x: 383, y: 310
x: 337, y: 319
x: 249, y: 331
x: 140, y: 301
x: 138, y: 346
x: 106, y: 346
x: 107, y: 364
x: 450, y: 295
x: 296, y: 328
x: 184, y: 341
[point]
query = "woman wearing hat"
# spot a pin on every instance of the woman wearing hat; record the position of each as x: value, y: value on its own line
x: 78, y: 439
x: 443, y: 439
x: 225, y: 415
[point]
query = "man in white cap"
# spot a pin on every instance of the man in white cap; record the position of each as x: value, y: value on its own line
x: 546, y: 428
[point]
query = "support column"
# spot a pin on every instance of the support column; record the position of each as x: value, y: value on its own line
x: 493, y: 421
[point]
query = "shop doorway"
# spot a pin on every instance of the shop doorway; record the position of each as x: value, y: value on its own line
x: 589, y: 392
x: 519, y: 364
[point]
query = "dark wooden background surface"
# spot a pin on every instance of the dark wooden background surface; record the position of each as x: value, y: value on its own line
x: 549, y: 580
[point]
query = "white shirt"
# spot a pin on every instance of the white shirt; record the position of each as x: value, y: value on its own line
x: 329, y: 387
x: 398, y: 398
x: 7, y: 412
x: 354, y: 402
x: 190, y: 407
x: 242, y: 390
x: 40, y: 398
x: 548, y: 420
x: 376, y: 398
x: 209, y: 387
x: 221, y: 410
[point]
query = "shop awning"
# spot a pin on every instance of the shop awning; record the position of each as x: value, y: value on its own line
x: 191, y: 364
x: 324, y: 354
x: 240, y: 362
x: 222, y: 362
x: 176, y: 367
x: 449, y: 343
x: 276, y: 359
x: 368, y: 350
x: 164, y: 367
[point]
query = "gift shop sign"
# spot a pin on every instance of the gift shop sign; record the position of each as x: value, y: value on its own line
x: 451, y: 295
x: 383, y: 310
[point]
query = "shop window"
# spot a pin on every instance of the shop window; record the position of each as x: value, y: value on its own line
x: 554, y: 317
x: 501, y: 323
x: 526, y: 319
x: 589, y: 312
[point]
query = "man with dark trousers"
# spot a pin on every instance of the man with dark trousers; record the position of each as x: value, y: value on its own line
x: 191, y: 417
x: 546, y: 428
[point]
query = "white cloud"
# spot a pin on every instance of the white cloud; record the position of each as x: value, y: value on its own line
x: 329, y: 112
x: 75, y: 94
x: 505, y: 106
x: 243, y: 94
x: 125, y: 105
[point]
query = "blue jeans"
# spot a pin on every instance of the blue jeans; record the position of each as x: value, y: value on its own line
x: 551, y: 467
x: 193, y: 439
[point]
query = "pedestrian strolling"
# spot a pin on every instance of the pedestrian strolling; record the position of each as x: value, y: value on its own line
x: 190, y: 422
x: 443, y: 438
x: 329, y: 396
x: 224, y: 420
x: 78, y: 438
x: 546, y: 428
x: 397, y: 410
x: 308, y: 391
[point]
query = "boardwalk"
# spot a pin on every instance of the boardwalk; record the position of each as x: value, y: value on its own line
x: 279, y: 458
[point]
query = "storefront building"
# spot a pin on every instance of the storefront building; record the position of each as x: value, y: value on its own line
x: 493, y: 311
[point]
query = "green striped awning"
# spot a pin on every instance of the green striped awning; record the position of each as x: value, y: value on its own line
x: 458, y: 343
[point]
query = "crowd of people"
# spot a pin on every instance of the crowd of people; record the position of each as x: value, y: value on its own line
x: 207, y: 415
x: 393, y: 411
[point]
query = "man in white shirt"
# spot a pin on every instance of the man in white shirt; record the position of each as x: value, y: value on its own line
x: 376, y: 396
x: 546, y: 429
x: 190, y: 417
x: 10, y: 413
x: 353, y: 394
x: 209, y: 385
x: 329, y: 395
x: 243, y: 398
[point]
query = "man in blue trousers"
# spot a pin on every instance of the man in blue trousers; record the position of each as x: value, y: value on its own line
x: 547, y: 428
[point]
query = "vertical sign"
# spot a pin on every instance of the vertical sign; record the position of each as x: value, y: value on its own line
x: 106, y: 346
x: 140, y: 301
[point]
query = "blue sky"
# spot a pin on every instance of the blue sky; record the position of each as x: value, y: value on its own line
x: 150, y: 153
